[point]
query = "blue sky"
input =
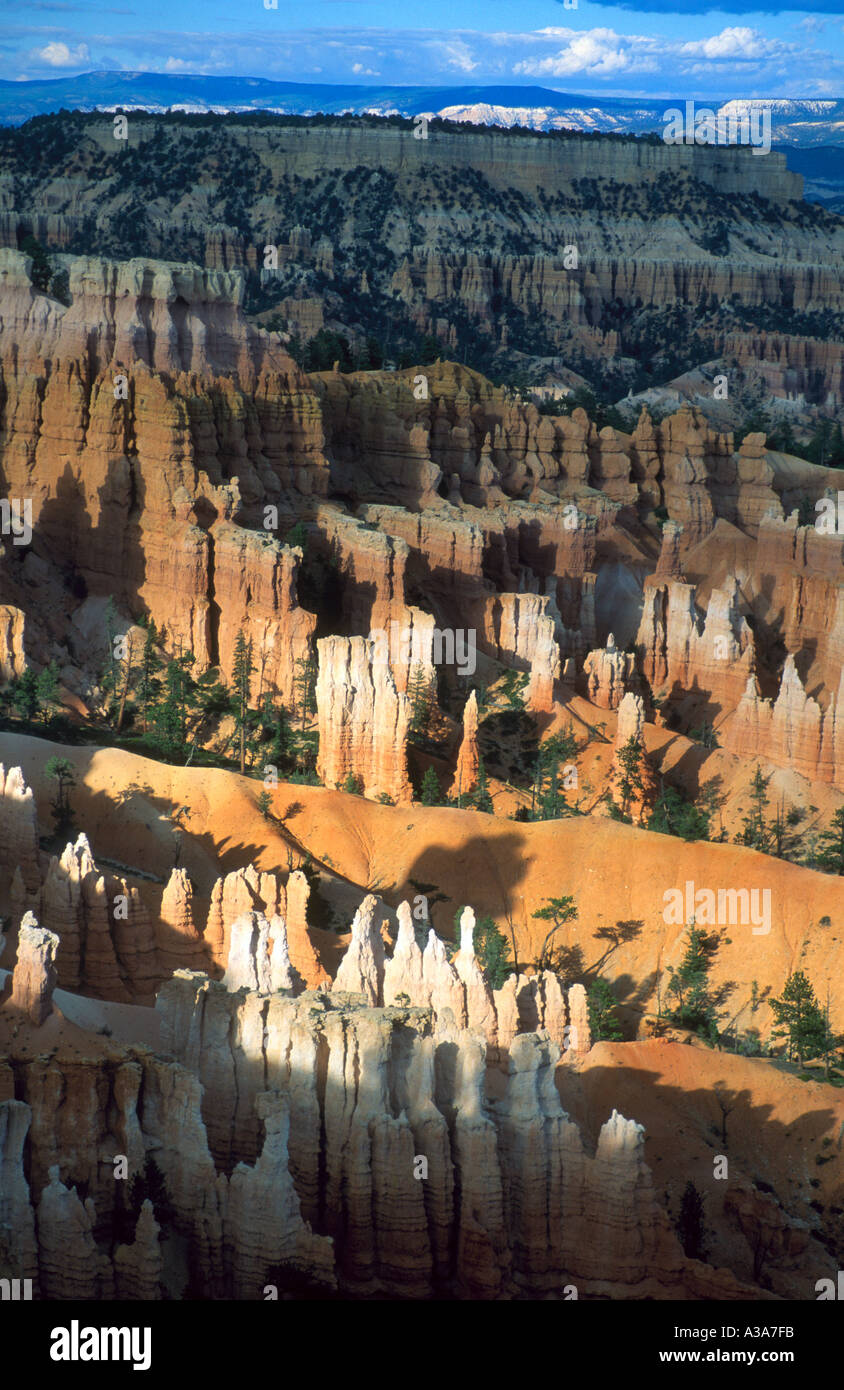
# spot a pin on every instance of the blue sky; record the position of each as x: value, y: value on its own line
x: 650, y: 48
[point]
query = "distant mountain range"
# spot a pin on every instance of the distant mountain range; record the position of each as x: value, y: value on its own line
x: 804, y: 129
x: 795, y: 122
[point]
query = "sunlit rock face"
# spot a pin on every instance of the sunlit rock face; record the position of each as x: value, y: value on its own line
x: 363, y: 719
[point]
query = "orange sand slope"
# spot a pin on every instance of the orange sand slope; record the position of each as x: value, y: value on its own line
x: 618, y: 875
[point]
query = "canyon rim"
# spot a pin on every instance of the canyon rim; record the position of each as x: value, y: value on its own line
x: 422, y: 678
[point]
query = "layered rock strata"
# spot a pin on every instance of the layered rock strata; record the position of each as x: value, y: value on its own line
x: 179, y: 418
x: 682, y: 651
x: 792, y: 730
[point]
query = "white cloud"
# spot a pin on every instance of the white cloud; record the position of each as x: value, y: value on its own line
x: 58, y: 55
x: 735, y: 42
x: 458, y: 55
x: 722, y: 62
x: 596, y: 53
x: 604, y: 53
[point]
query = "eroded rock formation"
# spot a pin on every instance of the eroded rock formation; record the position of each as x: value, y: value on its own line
x: 18, y: 829
x: 792, y: 730
x: 34, y: 977
x: 361, y: 970
x: 390, y: 1228
x: 363, y: 720
x: 608, y: 672
x: 401, y: 1133
x: 681, y: 651
x: 12, y: 654
x: 468, y: 758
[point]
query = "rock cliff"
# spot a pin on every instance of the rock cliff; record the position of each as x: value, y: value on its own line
x: 145, y: 446
x: 791, y: 730
x: 494, y: 270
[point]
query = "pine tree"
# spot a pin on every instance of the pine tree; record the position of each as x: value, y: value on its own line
x: 673, y: 815
x: 831, y: 845
x: 264, y: 803
x: 705, y: 733
x: 492, y: 948
x: 305, y: 753
x: 41, y: 269
x: 690, y: 986
x: 62, y: 772
x: 548, y: 800
x: 756, y: 832
x: 119, y: 671
x: 482, y: 798
x: 297, y: 535
x: 559, y: 911
x: 150, y: 1186
x: 801, y: 1020
x: 545, y: 800
x: 430, y: 793
x: 170, y: 715
x: 282, y: 743
x: 630, y: 781
x: 785, y: 840
x: 513, y: 687
x: 242, y: 670
x: 275, y: 726
x: 129, y: 672
x: 710, y: 802
x: 109, y: 676
x: 553, y: 801
x: 149, y: 684
x: 419, y: 695
x: 782, y: 438
x: 603, y: 1017
x: 493, y: 952
x: 821, y: 444
x: 25, y: 695
x: 208, y: 698
x: 47, y: 687
x: 304, y: 686
x: 690, y: 1223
